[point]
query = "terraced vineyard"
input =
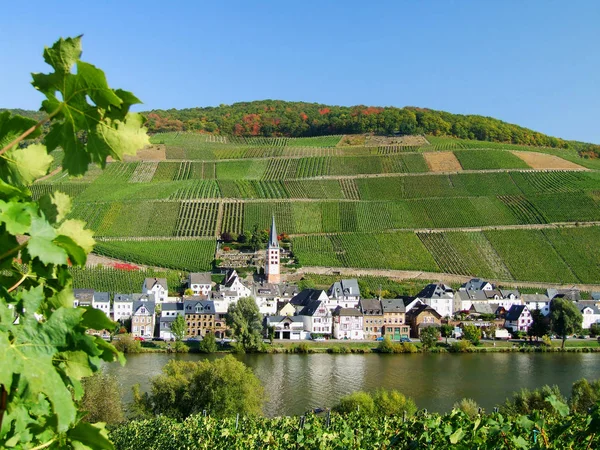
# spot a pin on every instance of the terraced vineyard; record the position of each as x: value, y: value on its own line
x: 368, y: 205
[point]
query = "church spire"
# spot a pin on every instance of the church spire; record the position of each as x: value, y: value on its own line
x: 273, y: 242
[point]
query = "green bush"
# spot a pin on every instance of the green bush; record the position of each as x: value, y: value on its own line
x: 526, y: 401
x: 388, y: 346
x: 357, y: 401
x: 127, y: 344
x: 208, y: 344
x: 180, y: 347
x: 102, y: 399
x: 584, y: 395
x: 393, y: 403
x: 462, y: 346
x: 468, y: 406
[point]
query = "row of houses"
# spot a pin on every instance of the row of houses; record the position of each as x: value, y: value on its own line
x: 338, y: 312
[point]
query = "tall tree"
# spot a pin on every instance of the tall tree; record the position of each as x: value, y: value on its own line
x: 565, y: 318
x: 178, y: 327
x: 472, y: 334
x: 245, y: 320
x: 540, y: 325
x: 429, y: 336
x: 446, y: 331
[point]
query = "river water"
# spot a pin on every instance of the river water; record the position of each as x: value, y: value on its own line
x: 295, y: 383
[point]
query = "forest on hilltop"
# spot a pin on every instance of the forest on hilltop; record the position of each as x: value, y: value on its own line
x: 300, y: 119
x: 296, y: 119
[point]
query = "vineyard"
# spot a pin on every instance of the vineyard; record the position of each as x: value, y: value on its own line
x: 332, y: 192
x: 365, y: 431
x: 189, y: 255
x: 125, y: 281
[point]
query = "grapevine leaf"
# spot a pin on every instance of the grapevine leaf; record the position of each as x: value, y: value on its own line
x: 558, y: 406
x: 457, y: 436
x: 117, y: 138
x: 96, y: 320
x: 8, y: 191
x: 75, y: 229
x: 89, y: 436
x: 25, y: 165
x: 55, y: 206
x: 16, y: 216
x: 76, y: 364
x: 41, y: 243
x: 519, y: 442
x: 108, y: 352
x: 93, y: 81
x: 63, y: 54
x: 11, y: 127
x: 76, y: 254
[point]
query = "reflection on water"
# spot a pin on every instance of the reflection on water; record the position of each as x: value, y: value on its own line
x: 295, y: 383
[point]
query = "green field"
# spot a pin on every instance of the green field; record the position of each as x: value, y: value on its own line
x: 107, y: 279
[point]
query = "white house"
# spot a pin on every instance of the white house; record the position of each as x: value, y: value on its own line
x: 344, y: 293
x: 158, y: 287
x: 101, y: 301
x: 317, y: 318
x: 536, y: 301
x: 518, y: 318
x: 590, y: 313
x: 83, y: 297
x: 307, y: 296
x: 347, y: 323
x: 233, y: 283
x: 287, y: 327
x: 266, y: 296
x: 168, y: 314
x: 200, y: 283
x: 122, y: 307
x: 440, y: 297
x: 142, y: 319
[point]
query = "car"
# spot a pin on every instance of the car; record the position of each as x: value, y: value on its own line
x: 380, y: 338
x: 157, y: 339
x: 139, y: 338
x: 194, y: 339
x: 405, y: 339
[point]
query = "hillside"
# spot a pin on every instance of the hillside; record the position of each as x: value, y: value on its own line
x: 464, y: 207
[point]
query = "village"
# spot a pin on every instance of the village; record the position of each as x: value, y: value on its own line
x: 340, y: 312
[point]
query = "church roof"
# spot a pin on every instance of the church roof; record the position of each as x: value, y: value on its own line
x: 273, y: 242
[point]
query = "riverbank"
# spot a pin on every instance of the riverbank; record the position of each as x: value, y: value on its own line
x: 361, y: 347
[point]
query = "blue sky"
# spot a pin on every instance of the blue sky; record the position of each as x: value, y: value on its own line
x: 533, y: 63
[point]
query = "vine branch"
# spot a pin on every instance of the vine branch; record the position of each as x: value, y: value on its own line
x: 30, y: 130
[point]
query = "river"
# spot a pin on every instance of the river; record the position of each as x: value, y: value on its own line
x: 295, y: 383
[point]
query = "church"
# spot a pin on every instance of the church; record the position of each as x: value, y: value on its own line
x: 272, y: 263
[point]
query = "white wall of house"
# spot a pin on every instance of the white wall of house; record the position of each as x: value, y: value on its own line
x: 160, y: 293
x: 145, y: 323
x: 318, y: 324
x: 589, y: 318
x: 102, y: 306
x: 348, y: 327
x: 122, y: 310
x: 443, y: 306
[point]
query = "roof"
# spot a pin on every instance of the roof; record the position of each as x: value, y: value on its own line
x: 149, y: 283
x: 169, y: 319
x: 595, y: 295
x: 277, y: 319
x: 581, y: 306
x: 436, y: 290
x: 172, y: 306
x: 199, y: 307
x: 535, y: 298
x: 418, y: 309
x: 474, y: 284
x: 492, y: 293
x: 395, y: 305
x: 506, y: 293
x: 288, y: 290
x: 143, y: 297
x: 515, y: 312
x: 344, y: 288
x: 84, y: 296
x: 200, y: 278
x: 148, y: 305
x: 273, y: 241
x: 123, y: 298
x: 311, y: 308
x: 339, y: 311
x: 306, y: 296
x: 370, y: 306
x: 482, y: 308
x: 102, y: 297
x: 569, y: 294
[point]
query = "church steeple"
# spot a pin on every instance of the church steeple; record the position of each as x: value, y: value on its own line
x: 273, y: 242
x: 272, y: 261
